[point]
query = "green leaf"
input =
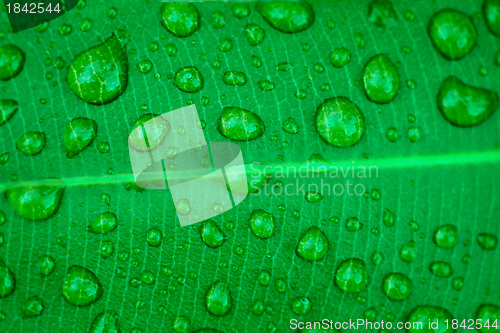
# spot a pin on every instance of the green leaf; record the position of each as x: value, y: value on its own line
x: 425, y: 191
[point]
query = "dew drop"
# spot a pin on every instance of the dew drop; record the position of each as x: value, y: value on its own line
x: 31, y: 143
x: 381, y: 13
x: 380, y: 79
x: 99, y: 75
x: 46, y: 265
x: 397, y: 286
x: 80, y: 286
x: 340, y: 57
x: 35, y: 202
x: 255, y: 34
x: 287, y: 16
x: 441, y: 269
x: 301, y: 305
x: 154, y: 237
x: 11, y: 61
x: 409, y: 251
x: 239, y: 124
x: 179, y: 18
x: 188, y: 79
x: 211, y: 234
x: 487, y: 241
x: 351, y: 276
x: 106, y: 322
x: 33, y: 307
x: 8, y: 107
x: 262, y: 224
x: 446, y: 236
x: 424, y: 313
x: 218, y: 299
x: 7, y: 280
x: 313, y: 245
x: 233, y: 78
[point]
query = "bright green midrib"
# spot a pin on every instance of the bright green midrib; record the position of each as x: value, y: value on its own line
x: 474, y: 158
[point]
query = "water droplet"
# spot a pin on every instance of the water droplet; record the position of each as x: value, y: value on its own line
x: 256, y: 62
x: 239, y: 124
x: 409, y: 15
x: 409, y: 251
x: 266, y: 85
x: 11, y: 61
x: 381, y: 13
x: 31, y: 143
x: 104, y: 223
x: 290, y: 126
x: 313, y: 245
x: 218, y: 299
x: 441, y: 269
x: 264, y: 278
x: 339, y: 122
x: 80, y: 286
x: 465, y: 105
x: 79, y: 133
x: 313, y: 196
x: 7, y: 280
x: 425, y: 313
x: 188, y: 79
x: 86, y: 25
x: 154, y: 237
x: 457, y: 283
x: 33, y: 307
x: 388, y: 218
x: 145, y: 66
x: 7, y: 109
x: 380, y: 79
x: 240, y: 10
x: 35, y: 202
x: 262, y: 224
x: 156, y: 127
x: 488, y: 313
x: 377, y: 258
x: 359, y: 39
x: 280, y: 286
x: 218, y: 20
x: 99, y: 75
x: 452, y: 33
x: 351, y: 276
x: 226, y: 45
x: 491, y: 13
x: 233, y: 78
x: 46, y: 265
x: 179, y: 18
x: 183, y: 207
x: 353, y: 224
x: 147, y: 277
x: 106, y: 249
x: 106, y: 322
x: 487, y: 241
x: 340, y: 57
x: 446, y: 236
x: 258, y: 307
x: 255, y: 34
x: 397, y: 286
x: 181, y: 325
x: 392, y: 134
x: 287, y: 16
x: 414, y: 133
x: 301, y: 305
x: 211, y: 234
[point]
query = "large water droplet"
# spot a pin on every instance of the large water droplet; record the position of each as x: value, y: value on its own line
x: 381, y: 13
x: 287, y: 16
x: 188, y: 79
x: 106, y: 322
x: 7, y: 109
x: 301, y: 305
x: 313, y: 245
x: 154, y: 237
x: 488, y: 313
x: 239, y: 124
x: 255, y: 34
x: 487, y: 241
x: 233, y: 78
x: 397, y: 286
x: 80, y: 286
x: 181, y: 19
x: 262, y: 223
x: 426, y: 313
x: 351, y: 276
x: 33, y: 307
x: 339, y: 122
x: 441, y: 269
x: 452, y: 33
x: 381, y: 79
x: 157, y: 128
x: 11, y: 61
x: 465, y: 105
x: 491, y: 12
x: 99, y: 75
x: 446, y: 236
x: 409, y: 251
x: 46, y: 265
x: 35, y: 202
x: 218, y: 299
x: 31, y: 143
x: 79, y: 133
x: 7, y: 280
x: 104, y: 223
x: 211, y: 234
